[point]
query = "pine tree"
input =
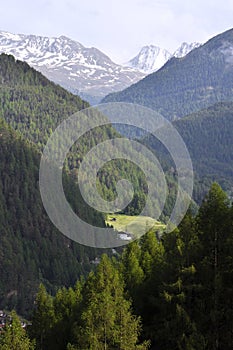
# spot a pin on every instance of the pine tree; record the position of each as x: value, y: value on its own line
x: 131, y: 268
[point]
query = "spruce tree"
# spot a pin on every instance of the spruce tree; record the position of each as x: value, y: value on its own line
x: 215, y: 234
x: 43, y: 319
x: 106, y: 320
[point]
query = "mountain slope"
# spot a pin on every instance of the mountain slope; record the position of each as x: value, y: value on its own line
x: 188, y: 84
x: 208, y: 135
x: 31, y: 248
x: 32, y: 104
x: 185, y: 48
x: 85, y: 71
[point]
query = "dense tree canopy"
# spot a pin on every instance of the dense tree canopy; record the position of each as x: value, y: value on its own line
x: 32, y: 250
x: 175, y: 292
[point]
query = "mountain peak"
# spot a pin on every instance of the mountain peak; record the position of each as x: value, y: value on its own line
x: 82, y: 70
x: 183, y: 86
x: 185, y: 48
x: 149, y: 59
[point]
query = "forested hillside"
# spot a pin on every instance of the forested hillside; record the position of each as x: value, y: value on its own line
x: 208, y: 135
x: 186, y: 85
x: 31, y: 103
x: 34, y: 106
x: 31, y: 249
x: 175, y: 293
x: 161, y: 278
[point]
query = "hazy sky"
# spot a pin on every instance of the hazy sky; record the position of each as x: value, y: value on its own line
x: 119, y: 27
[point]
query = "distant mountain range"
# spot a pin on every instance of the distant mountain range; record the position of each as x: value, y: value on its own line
x: 87, y: 72
x: 151, y: 58
x: 84, y: 71
x: 185, y: 85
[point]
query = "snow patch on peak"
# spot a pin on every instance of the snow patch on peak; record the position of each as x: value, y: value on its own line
x: 10, y: 36
x: 65, y: 61
x: 185, y: 48
x: 149, y: 59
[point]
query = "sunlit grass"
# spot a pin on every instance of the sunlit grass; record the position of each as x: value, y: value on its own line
x: 136, y: 225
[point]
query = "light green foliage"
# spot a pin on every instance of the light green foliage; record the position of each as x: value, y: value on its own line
x: 176, y: 291
x: 93, y: 315
x: 107, y: 321
x: 14, y: 337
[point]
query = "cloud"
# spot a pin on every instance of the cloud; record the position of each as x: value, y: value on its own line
x: 120, y: 27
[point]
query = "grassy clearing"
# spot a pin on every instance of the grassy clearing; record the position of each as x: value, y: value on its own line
x: 133, y: 224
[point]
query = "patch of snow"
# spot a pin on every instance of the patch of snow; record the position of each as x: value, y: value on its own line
x: 63, y: 59
x: 149, y: 59
x: 185, y: 48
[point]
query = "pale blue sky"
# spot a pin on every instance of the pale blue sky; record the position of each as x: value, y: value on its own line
x: 119, y: 27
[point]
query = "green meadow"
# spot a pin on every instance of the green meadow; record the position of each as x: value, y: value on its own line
x: 135, y: 225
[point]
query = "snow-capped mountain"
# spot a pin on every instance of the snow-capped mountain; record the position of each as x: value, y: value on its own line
x: 151, y: 58
x: 86, y: 71
x: 185, y: 48
x: 82, y: 70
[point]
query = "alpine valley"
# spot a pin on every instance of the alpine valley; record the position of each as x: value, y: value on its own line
x: 169, y: 289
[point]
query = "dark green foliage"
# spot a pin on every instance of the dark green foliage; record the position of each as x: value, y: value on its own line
x: 214, y: 270
x: 32, y: 250
x: 188, y: 84
x: 32, y: 104
x: 185, y: 296
x: 181, y: 287
x: 208, y: 135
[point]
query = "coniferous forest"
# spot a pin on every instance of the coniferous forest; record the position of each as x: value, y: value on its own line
x: 170, y: 290
x: 173, y: 293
